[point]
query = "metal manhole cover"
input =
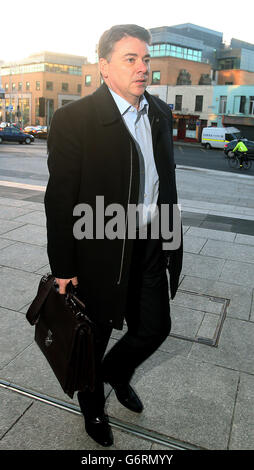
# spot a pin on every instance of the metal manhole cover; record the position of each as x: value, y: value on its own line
x: 198, y: 317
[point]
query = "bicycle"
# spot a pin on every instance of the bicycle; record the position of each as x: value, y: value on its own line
x: 239, y: 161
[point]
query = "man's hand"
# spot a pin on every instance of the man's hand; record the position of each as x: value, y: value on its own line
x: 62, y: 283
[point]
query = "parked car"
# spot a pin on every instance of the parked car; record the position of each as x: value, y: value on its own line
x: 10, y: 134
x: 228, y: 148
x: 42, y: 132
x: 30, y: 130
x: 16, y: 126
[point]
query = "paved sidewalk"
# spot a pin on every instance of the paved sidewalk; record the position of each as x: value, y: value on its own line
x: 198, y: 388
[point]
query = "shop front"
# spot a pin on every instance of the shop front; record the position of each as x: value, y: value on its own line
x: 187, y: 127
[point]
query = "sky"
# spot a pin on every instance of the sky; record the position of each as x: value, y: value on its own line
x: 74, y: 27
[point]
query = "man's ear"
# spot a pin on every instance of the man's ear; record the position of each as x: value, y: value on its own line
x: 103, y: 65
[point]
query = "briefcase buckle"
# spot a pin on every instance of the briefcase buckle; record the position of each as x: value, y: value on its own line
x: 49, y: 339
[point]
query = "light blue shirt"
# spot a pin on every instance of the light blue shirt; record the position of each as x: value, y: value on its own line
x: 138, y: 124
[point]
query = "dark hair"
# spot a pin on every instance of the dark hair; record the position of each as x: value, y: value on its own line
x: 114, y: 34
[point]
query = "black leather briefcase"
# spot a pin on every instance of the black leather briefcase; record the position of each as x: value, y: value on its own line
x: 65, y: 335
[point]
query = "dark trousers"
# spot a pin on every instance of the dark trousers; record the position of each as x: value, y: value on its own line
x: 147, y: 317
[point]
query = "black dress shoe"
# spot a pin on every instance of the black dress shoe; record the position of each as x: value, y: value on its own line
x: 96, y: 424
x: 127, y: 397
x: 98, y: 428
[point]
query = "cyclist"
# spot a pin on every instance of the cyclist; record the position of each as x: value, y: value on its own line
x: 240, y: 150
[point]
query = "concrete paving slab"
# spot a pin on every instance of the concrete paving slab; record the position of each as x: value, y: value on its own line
x: 15, y: 335
x: 24, y: 256
x: 13, y: 406
x: 238, y: 273
x: 252, y: 309
x: 9, y: 213
x: 17, y: 287
x: 227, y: 250
x: 185, y: 228
x: 185, y: 321
x: 31, y: 370
x: 44, y: 270
x: 175, y: 347
x: 7, y: 225
x: 242, y: 436
x: 28, y: 233
x: 191, y: 300
x: 240, y: 296
x: 244, y: 239
x: 205, y: 205
x: 235, y: 349
x: 43, y: 427
x: 233, y: 215
x: 213, y: 234
x: 4, y: 243
x: 193, y: 244
x: 208, y: 326
x: 186, y: 400
x: 15, y: 202
x: 27, y: 204
x: 202, y: 266
x: 35, y: 218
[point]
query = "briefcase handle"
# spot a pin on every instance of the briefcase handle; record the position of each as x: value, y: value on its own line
x: 45, y: 285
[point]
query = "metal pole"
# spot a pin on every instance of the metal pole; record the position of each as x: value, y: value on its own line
x: 10, y: 111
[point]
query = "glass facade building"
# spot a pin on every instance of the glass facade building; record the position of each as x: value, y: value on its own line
x: 172, y: 50
x: 41, y: 67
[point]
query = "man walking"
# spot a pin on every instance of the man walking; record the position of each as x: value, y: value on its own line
x: 116, y: 144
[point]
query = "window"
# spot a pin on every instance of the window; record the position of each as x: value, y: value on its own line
x: 242, y: 104
x: 20, y: 86
x: 251, y: 109
x: 13, y: 86
x: 27, y: 86
x: 79, y: 88
x: 199, y: 103
x: 239, y: 104
x: 37, y: 107
x: 24, y: 106
x: 178, y: 102
x: 229, y: 137
x: 223, y: 104
x: 49, y: 86
x: 160, y: 50
x: 65, y: 86
x: 6, y: 87
x: 38, y: 86
x: 156, y: 78
x: 88, y: 80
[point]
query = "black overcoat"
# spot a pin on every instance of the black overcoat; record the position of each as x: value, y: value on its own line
x: 91, y: 153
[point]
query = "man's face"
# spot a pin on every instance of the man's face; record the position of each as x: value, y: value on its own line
x: 127, y: 71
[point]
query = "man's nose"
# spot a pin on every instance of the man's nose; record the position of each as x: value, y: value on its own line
x: 143, y: 66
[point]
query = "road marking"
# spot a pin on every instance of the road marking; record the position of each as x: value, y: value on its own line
x: 12, y: 184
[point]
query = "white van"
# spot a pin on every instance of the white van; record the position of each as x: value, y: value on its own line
x: 217, y: 137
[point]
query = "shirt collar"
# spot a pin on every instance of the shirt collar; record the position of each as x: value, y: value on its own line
x: 124, y: 105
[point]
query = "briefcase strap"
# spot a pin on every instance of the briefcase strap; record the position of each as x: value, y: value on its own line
x: 43, y: 291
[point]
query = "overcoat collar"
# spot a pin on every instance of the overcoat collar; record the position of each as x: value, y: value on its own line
x: 108, y: 111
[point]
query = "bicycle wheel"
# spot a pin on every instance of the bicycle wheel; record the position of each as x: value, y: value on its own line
x: 247, y: 164
x: 233, y: 162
